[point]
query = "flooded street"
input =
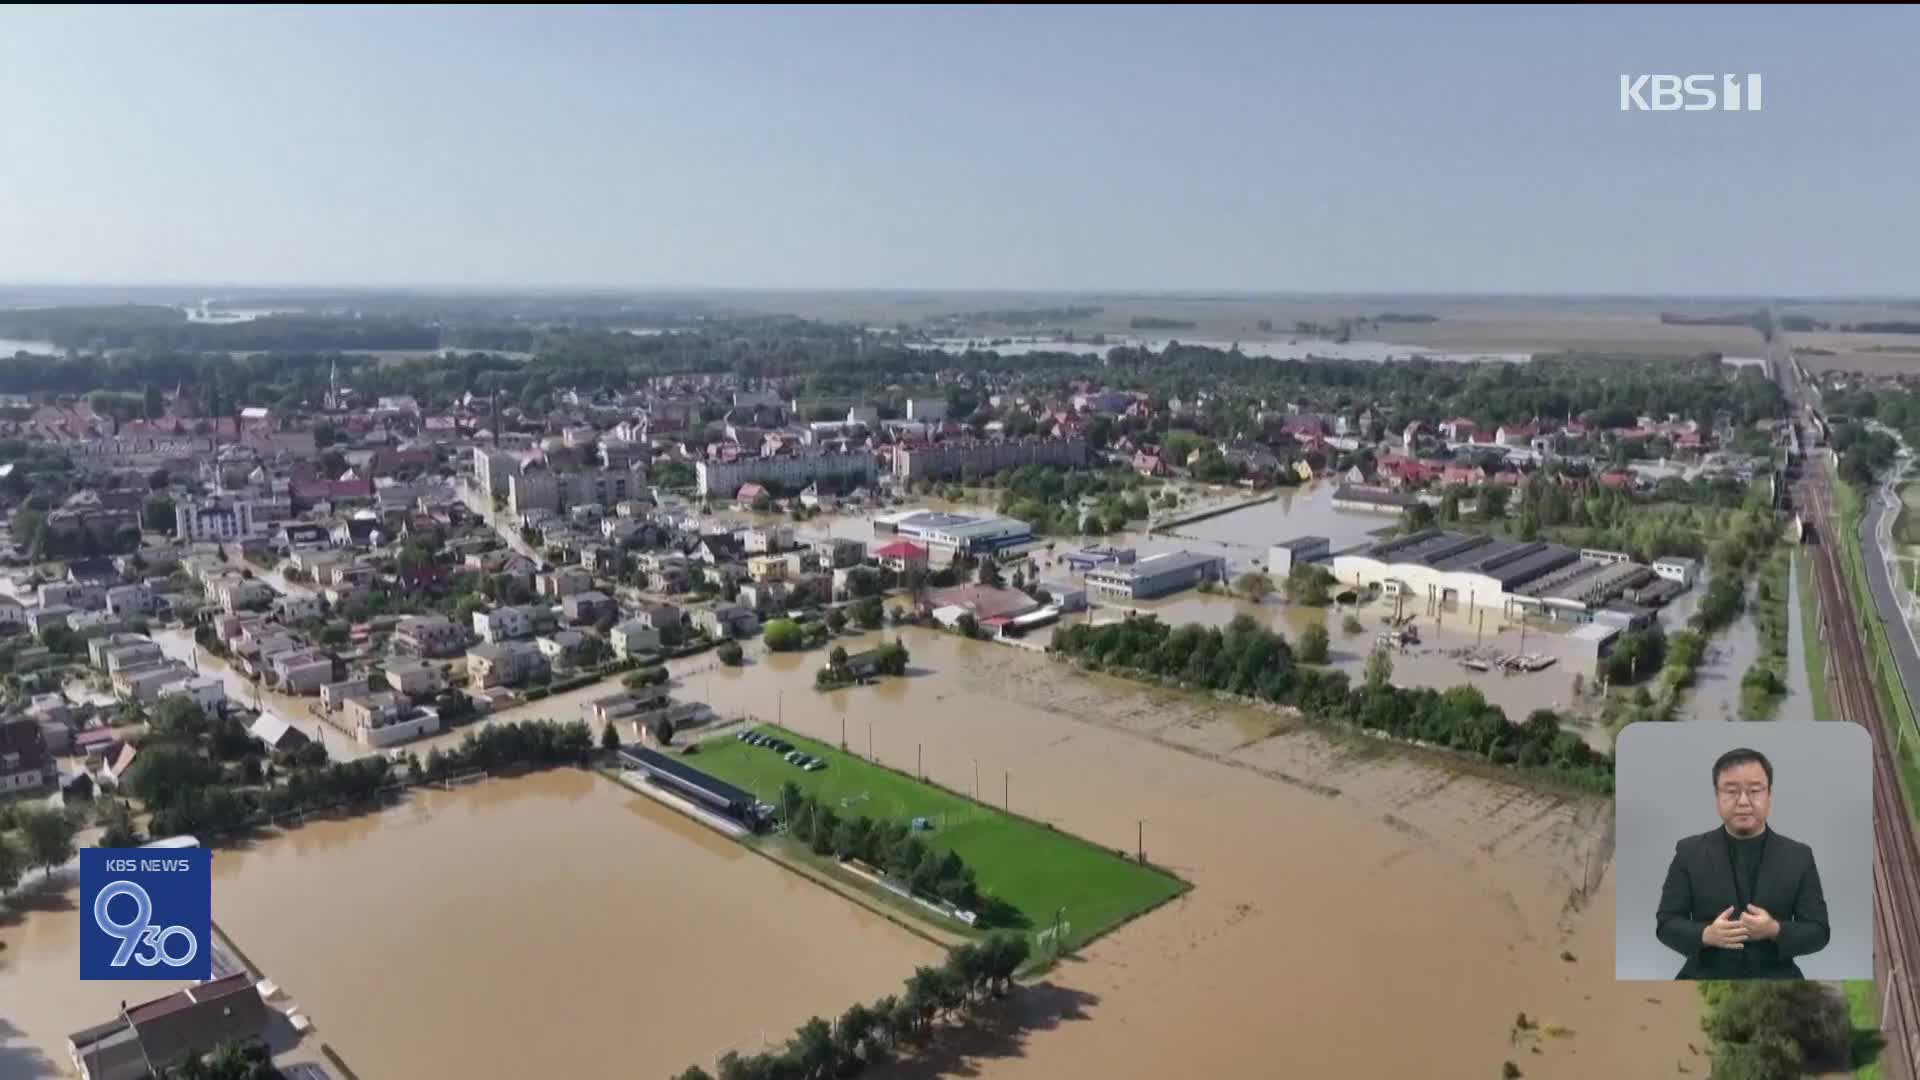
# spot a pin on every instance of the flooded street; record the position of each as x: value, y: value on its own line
x: 551, y: 925
x: 1715, y: 694
x: 1799, y: 703
x: 1343, y: 890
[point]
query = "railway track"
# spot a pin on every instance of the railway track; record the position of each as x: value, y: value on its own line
x: 1896, y: 865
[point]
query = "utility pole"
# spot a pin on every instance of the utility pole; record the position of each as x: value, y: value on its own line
x: 976, y: 779
x: 870, y: 756
x: 918, y: 770
x: 1140, y: 840
x: 1006, y: 791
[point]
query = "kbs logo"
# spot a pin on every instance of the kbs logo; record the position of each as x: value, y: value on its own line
x: 1689, y: 93
x: 146, y: 913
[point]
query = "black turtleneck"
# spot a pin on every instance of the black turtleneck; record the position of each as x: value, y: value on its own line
x: 1745, y: 851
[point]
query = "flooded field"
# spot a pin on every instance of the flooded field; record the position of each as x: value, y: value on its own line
x: 1434, y: 663
x: 1301, y: 511
x: 551, y: 925
x: 1345, y: 893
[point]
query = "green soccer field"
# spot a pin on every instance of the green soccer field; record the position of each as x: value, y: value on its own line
x: 1035, y: 869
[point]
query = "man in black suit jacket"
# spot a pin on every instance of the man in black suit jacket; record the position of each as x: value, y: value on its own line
x: 1742, y: 901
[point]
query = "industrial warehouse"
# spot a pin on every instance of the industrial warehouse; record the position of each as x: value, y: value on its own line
x: 1519, y: 578
x: 948, y: 536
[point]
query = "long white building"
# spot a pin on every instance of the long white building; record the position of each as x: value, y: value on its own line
x: 789, y: 471
x: 1439, y: 570
x: 215, y: 519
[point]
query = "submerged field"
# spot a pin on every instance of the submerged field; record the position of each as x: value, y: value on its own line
x: 1034, y: 868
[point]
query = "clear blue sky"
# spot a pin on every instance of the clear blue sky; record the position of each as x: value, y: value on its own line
x: 1464, y: 150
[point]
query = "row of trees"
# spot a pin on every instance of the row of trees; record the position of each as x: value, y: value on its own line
x: 190, y: 793
x: 892, y: 846
x: 1250, y: 660
x: 889, y: 659
x: 867, y: 1035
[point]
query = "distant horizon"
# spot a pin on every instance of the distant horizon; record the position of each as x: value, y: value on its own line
x: 456, y: 290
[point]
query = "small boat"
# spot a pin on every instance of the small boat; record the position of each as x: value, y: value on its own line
x: 1474, y: 665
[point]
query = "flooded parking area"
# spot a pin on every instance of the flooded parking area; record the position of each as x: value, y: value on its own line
x: 1345, y: 892
x: 555, y: 924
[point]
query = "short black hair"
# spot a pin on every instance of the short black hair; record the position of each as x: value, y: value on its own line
x: 1741, y: 756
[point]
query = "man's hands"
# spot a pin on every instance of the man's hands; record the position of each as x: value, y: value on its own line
x: 1725, y: 932
x: 1728, y: 932
x: 1760, y: 925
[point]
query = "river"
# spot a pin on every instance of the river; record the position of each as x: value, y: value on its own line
x: 551, y: 925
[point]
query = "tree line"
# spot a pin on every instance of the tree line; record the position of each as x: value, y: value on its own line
x: 1249, y: 660
x: 891, y: 846
x: 867, y: 1035
x: 191, y: 791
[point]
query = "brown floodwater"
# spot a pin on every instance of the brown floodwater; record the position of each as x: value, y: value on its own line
x: 556, y: 924
x: 1357, y: 911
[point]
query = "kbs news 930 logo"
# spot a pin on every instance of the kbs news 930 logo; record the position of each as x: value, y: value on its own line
x: 146, y: 913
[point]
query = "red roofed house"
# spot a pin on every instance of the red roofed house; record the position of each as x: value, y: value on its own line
x: 902, y: 556
x: 1689, y: 440
x: 1618, y: 481
x: 1463, y: 474
x: 748, y: 493
x: 1148, y: 464
x: 1402, y: 472
x: 1458, y: 430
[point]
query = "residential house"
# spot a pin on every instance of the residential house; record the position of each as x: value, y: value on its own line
x: 560, y: 645
x: 505, y: 664
x: 763, y: 595
x: 278, y: 736
x: 901, y: 556
x: 124, y: 601
x: 1516, y: 434
x: 599, y: 559
x: 386, y: 718
x: 242, y: 594
x: 767, y: 568
x: 334, y: 696
x: 588, y: 607
x: 634, y: 638
x: 414, y: 678
x: 204, y: 691
x: 25, y: 764
x: 46, y: 615
x: 768, y: 539
x: 725, y: 621
x: 1148, y: 464
x: 358, y: 533
x: 296, y: 607
x: 503, y: 623
x: 564, y: 582
x: 428, y: 636
x: 302, y: 671
x: 837, y: 552
x: 302, y: 536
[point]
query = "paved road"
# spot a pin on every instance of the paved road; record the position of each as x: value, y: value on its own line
x: 1876, y: 526
x: 483, y: 506
x: 179, y: 644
